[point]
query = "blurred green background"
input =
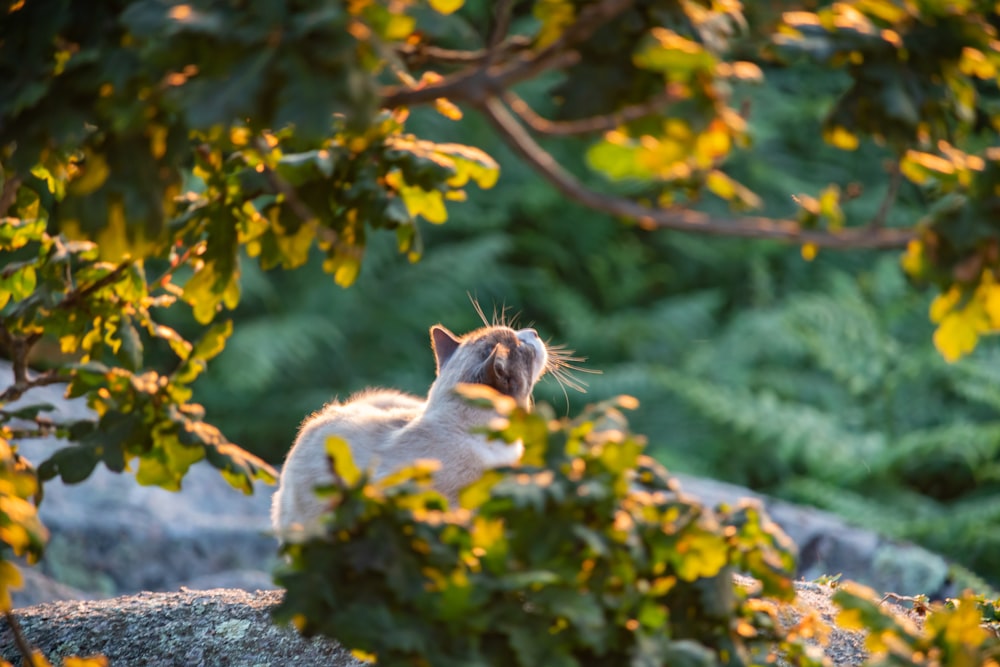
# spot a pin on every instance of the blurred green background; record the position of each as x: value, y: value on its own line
x: 813, y: 381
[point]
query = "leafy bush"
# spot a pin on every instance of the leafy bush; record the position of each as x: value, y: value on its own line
x: 586, y: 552
x: 959, y: 632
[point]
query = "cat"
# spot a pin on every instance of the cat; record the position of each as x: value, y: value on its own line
x: 387, y: 429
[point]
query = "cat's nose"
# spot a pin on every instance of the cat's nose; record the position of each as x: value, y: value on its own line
x: 527, y: 334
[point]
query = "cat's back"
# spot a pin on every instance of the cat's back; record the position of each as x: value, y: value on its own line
x: 367, y: 421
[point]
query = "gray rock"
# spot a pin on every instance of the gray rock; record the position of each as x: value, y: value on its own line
x: 182, y: 629
x: 227, y: 627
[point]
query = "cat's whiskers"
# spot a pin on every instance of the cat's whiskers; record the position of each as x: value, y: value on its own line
x: 562, y: 364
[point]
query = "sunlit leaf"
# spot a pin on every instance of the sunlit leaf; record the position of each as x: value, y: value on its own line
x: 342, y: 459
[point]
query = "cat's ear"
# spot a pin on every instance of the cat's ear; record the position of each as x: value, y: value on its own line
x: 444, y: 343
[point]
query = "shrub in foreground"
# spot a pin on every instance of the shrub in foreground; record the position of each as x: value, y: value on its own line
x: 586, y: 553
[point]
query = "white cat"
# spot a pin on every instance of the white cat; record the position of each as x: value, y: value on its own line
x: 387, y: 430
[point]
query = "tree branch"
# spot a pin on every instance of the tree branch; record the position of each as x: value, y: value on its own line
x: 28, y: 653
x: 278, y: 184
x: 475, y: 85
x: 517, y: 138
x: 22, y: 381
x: 590, y: 125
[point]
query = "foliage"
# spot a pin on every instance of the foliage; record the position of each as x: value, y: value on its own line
x: 951, y: 634
x: 831, y: 396
x: 585, y: 552
x: 159, y: 156
x: 21, y: 533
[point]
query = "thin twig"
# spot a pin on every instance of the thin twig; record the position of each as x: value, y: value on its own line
x: 278, y: 184
x: 164, y: 277
x: 416, y: 54
x: 518, y: 139
x: 80, y: 294
x: 27, y: 652
x: 590, y: 125
x: 895, y: 178
x: 501, y: 25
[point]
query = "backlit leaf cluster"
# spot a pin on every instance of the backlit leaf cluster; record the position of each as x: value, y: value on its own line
x: 923, y: 81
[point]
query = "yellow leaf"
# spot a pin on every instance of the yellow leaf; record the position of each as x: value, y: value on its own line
x: 964, y: 625
x: 912, y: 260
x: 956, y: 336
x: 10, y: 577
x: 974, y: 63
x: 555, y: 16
x: 342, y: 460
x: 809, y: 251
x: 112, y: 241
x: 943, y: 303
x: 829, y: 207
x: 357, y: 653
x: 345, y: 267
x: 447, y: 109
x: 486, y: 533
x: 841, y: 137
x: 91, y: 174
x: 990, y: 296
x: 446, y: 6
x: 428, y: 203
x: 711, y: 145
x: 239, y: 136
x: 475, y: 494
x: 157, y: 140
x: 92, y: 661
x: 399, y: 27
x: 720, y: 184
x: 850, y: 619
x: 700, y: 554
x: 231, y: 295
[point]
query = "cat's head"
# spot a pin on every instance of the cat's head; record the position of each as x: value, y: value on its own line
x: 508, y: 360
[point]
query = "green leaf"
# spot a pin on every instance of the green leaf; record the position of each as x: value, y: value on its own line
x: 617, y: 159
x: 28, y: 412
x: 73, y: 464
x: 130, y: 353
x: 17, y: 282
x: 240, y: 467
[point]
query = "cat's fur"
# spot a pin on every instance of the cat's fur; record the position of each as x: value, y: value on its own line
x: 387, y: 430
